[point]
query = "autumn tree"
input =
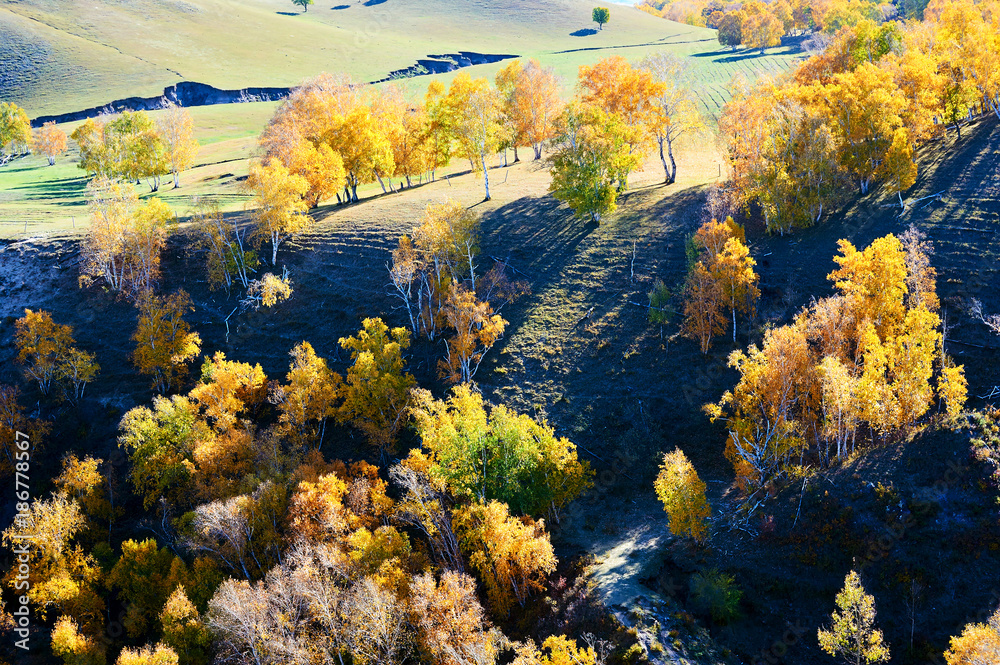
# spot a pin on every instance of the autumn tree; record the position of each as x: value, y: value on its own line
x: 164, y: 341
x: 16, y: 448
x: 533, y: 104
x: 267, y: 291
x: 730, y: 29
x: 124, y: 241
x: 278, y: 209
x: 229, y: 257
x: 978, y: 644
x: 452, y: 628
x: 498, y: 454
x: 511, y: 555
x: 376, y: 390
x: 477, y: 329
x: 591, y: 157
x: 853, y: 635
x: 15, y: 128
x: 161, y: 442
x: 143, y: 581
x: 127, y: 146
x: 48, y: 353
x: 676, y: 111
x: 476, y: 115
x: 50, y: 141
x: 682, y: 493
x: 176, y: 128
x: 703, y: 317
x: 600, y: 16
x: 160, y: 654
x: 760, y: 28
x: 426, y: 506
x: 629, y: 93
x: 63, y: 578
x: 184, y: 631
x: 310, y: 397
x: 74, y: 646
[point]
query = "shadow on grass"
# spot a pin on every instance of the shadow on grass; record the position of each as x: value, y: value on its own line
x: 583, y: 32
x: 726, y: 55
x: 55, y: 189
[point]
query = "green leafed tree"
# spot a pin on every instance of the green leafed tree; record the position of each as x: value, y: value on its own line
x: 591, y: 157
x: 853, y: 636
x: 303, y: 3
x: 601, y: 15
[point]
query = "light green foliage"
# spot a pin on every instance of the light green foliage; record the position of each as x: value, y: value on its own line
x: 591, y: 157
x: 600, y: 16
x: 853, y: 636
x: 716, y: 595
x: 498, y: 455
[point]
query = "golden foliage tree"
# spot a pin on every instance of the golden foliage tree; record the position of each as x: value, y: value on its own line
x: 50, y: 141
x: 452, y: 628
x: 511, y: 555
x: 124, y: 241
x: 74, y: 646
x: 164, y: 341
x: 476, y: 111
x: 176, y: 128
x: 48, y: 353
x: 682, y: 493
x: 978, y: 644
x: 183, y: 629
x: 628, y: 93
x: 15, y: 128
x: 376, y: 390
x: 278, y: 208
x: 309, y: 398
x: 477, y: 329
x: 16, y: 448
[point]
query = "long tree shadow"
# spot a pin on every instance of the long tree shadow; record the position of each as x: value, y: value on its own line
x: 538, y: 237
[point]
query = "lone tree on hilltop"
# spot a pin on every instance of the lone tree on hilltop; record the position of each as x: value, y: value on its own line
x: 601, y: 16
x: 303, y: 3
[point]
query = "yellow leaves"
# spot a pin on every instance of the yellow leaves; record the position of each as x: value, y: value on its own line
x: 382, y: 555
x: 952, y: 387
x: 317, y: 512
x: 452, y: 628
x: 227, y: 388
x: 511, y: 555
x: 177, y: 130
x: 626, y: 92
x: 50, y: 141
x: 978, y: 643
x: 682, y: 493
x: 15, y: 127
x: 125, y: 238
x: 874, y: 281
x: 376, y: 389
x: 278, y: 205
x: 310, y: 396
x: 157, y: 655
x: 164, y: 341
x: 47, y: 351
x: 477, y: 329
x: 74, y: 647
x: 853, y: 634
x: 268, y: 291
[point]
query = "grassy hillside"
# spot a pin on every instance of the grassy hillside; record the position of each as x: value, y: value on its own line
x: 69, y: 55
